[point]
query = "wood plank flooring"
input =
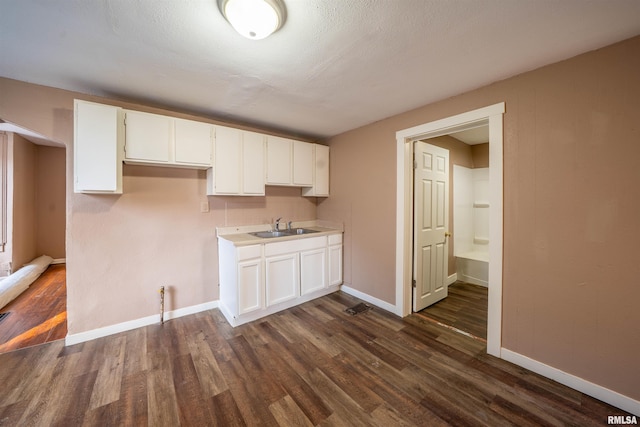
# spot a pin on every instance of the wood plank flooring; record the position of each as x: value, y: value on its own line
x: 465, y: 308
x: 39, y: 314
x: 312, y: 365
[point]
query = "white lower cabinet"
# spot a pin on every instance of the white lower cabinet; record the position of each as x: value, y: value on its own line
x: 250, y: 286
x: 313, y: 270
x: 259, y: 280
x: 241, y: 279
x: 282, y: 278
x: 335, y: 259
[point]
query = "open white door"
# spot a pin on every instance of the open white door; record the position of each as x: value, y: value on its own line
x: 431, y: 222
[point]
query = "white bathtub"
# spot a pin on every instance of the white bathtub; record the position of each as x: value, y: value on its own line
x: 473, y: 267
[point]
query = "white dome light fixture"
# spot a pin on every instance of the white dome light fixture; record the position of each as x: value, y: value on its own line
x: 254, y: 19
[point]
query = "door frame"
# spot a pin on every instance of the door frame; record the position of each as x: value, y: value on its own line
x: 492, y: 116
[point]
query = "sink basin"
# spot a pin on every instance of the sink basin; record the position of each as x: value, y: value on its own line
x: 271, y: 234
x: 301, y: 231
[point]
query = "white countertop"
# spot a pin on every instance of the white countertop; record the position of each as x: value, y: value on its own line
x: 240, y: 236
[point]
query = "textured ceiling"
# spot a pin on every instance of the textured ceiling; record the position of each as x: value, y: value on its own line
x: 334, y: 66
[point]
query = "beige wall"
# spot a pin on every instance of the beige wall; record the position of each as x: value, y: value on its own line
x: 480, y: 155
x: 571, y: 210
x: 24, y: 202
x: 121, y: 249
x: 50, y: 200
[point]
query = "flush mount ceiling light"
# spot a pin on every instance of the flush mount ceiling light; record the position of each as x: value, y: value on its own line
x: 254, y: 19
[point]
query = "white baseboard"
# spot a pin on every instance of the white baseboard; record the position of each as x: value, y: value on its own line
x: 594, y: 390
x: 474, y: 281
x: 452, y: 279
x: 137, y: 323
x: 59, y: 261
x: 368, y: 298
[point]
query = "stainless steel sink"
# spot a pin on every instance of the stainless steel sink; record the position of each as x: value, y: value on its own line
x: 281, y: 233
x: 270, y: 234
x: 301, y: 231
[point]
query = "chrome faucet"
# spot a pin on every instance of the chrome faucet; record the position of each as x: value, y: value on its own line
x: 278, y: 224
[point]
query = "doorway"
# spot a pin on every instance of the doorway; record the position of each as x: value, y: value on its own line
x: 491, y: 116
x: 34, y: 214
x: 464, y: 310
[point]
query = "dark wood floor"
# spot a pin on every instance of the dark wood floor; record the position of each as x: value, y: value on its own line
x: 465, y: 308
x: 309, y: 365
x: 39, y: 314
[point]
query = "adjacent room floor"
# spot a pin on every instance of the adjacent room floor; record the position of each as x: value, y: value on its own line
x: 39, y: 314
x: 464, y: 309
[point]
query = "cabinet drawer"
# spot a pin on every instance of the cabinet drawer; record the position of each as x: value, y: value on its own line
x: 289, y: 246
x: 312, y: 243
x: 335, y: 239
x: 249, y: 252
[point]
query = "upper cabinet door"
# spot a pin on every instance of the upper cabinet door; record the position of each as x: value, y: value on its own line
x: 302, y: 163
x: 193, y: 144
x: 97, y: 148
x: 321, y: 182
x: 227, y: 159
x: 147, y: 136
x: 320, y: 186
x: 253, y: 164
x: 279, y: 161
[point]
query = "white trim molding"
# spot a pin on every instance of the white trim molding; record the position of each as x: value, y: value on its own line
x: 491, y: 116
x: 452, y: 279
x: 4, y: 208
x: 594, y: 390
x: 368, y: 298
x: 137, y: 323
x: 59, y: 261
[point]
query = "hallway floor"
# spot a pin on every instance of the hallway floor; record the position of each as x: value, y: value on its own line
x: 39, y: 314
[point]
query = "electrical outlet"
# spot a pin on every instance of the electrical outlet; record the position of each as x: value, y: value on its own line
x: 204, y: 206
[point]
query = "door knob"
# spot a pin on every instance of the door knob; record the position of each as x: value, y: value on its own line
x: 447, y: 234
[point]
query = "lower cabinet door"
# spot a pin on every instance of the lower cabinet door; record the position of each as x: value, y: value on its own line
x: 313, y: 270
x: 335, y: 265
x: 250, y: 286
x: 282, y: 278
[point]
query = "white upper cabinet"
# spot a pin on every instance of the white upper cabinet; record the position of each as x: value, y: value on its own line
x: 320, y: 186
x: 238, y: 167
x: 97, y: 148
x: 289, y: 162
x: 167, y: 141
x: 224, y: 178
x: 147, y: 137
x: 238, y: 162
x: 279, y: 161
x: 193, y: 142
x: 302, y: 163
x: 253, y: 163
